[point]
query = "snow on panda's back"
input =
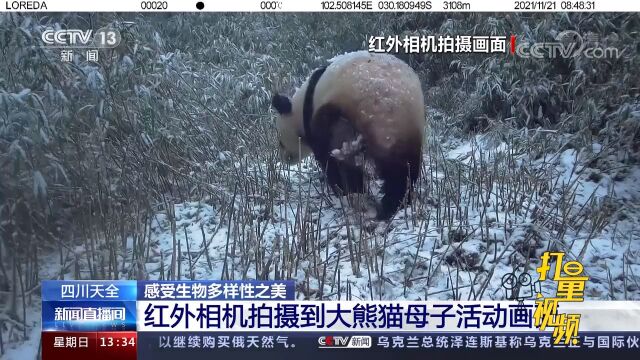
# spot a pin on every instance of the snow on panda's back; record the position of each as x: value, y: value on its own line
x: 380, y: 93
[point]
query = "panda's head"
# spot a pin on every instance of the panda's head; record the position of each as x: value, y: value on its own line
x: 289, y: 126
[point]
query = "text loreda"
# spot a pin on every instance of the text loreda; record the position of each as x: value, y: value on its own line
x: 25, y: 5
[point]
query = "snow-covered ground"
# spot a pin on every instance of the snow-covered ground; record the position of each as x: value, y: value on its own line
x: 452, y: 247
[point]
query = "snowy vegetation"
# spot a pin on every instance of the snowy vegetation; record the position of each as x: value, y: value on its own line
x: 160, y: 160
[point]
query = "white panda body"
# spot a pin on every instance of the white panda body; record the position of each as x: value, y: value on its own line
x: 379, y: 93
x: 375, y: 96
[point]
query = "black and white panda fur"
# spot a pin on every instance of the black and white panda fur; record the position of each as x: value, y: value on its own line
x: 361, y: 102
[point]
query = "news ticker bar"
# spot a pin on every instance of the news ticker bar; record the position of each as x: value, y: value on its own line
x: 275, y: 345
x: 322, y: 6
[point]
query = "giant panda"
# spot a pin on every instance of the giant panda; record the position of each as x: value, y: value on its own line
x: 361, y: 106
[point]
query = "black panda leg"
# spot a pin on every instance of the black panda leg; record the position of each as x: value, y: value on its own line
x: 331, y: 171
x: 344, y: 179
x: 330, y: 130
x: 351, y: 179
x: 398, y: 186
x: 394, y: 189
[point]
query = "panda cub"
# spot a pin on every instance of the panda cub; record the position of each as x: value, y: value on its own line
x: 361, y: 106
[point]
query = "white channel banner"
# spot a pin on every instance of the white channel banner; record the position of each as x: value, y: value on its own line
x: 376, y: 316
x: 321, y: 6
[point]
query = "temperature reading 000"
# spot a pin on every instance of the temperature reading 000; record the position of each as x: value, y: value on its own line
x: 270, y: 5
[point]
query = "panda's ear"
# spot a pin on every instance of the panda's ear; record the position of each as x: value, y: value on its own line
x: 281, y: 103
